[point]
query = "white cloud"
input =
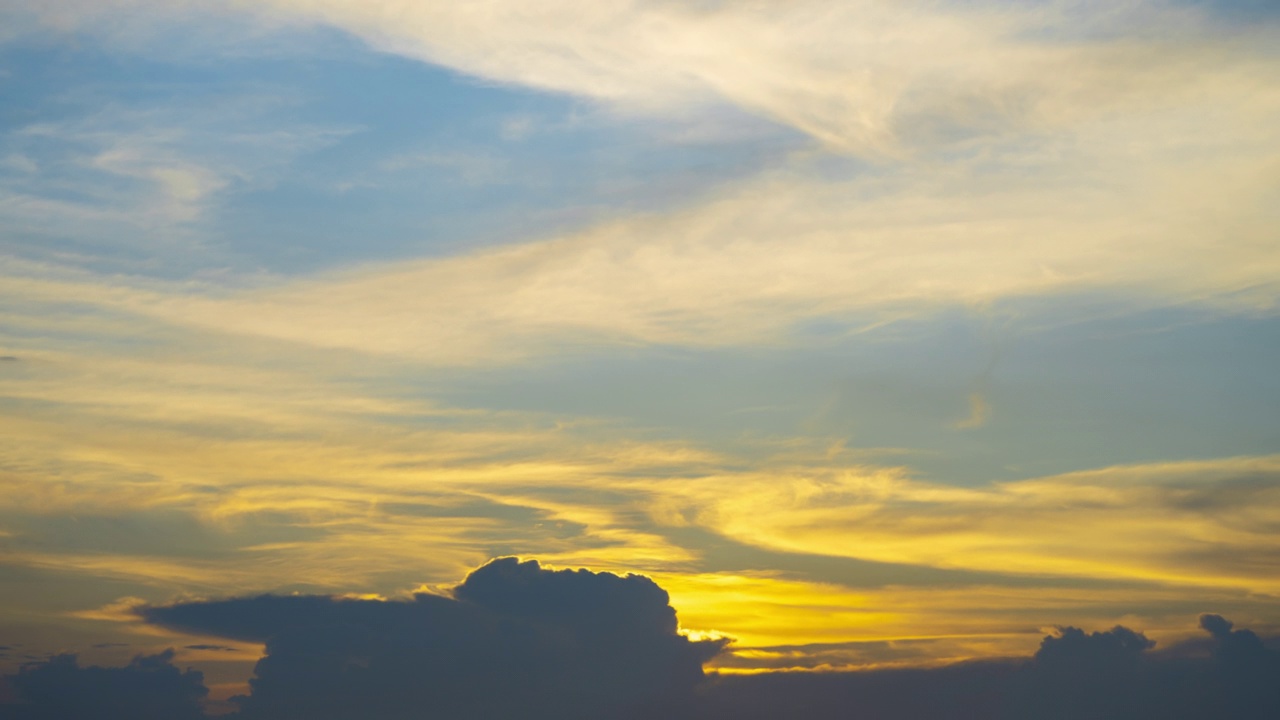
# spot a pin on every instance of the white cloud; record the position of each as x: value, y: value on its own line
x: 1040, y: 148
x: 1132, y: 208
x: 182, y: 186
x: 141, y: 177
x: 867, y: 77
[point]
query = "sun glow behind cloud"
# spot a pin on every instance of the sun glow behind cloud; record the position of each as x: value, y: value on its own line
x: 284, y: 494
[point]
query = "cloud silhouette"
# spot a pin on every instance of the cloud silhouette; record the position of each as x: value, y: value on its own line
x: 518, y: 640
x: 1110, y: 675
x: 514, y: 640
x: 1075, y: 650
x: 1247, y: 673
x: 148, y: 688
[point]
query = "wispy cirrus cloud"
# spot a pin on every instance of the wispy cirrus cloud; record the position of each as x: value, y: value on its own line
x: 1062, y: 148
x: 867, y: 77
x: 133, y: 183
x: 1196, y: 523
x: 219, y: 481
x: 752, y: 265
x: 870, y: 77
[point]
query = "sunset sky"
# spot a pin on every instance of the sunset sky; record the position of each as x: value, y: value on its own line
x: 877, y: 333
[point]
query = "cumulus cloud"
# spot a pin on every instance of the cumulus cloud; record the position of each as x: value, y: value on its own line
x: 148, y: 688
x: 1233, y: 645
x: 1113, y: 674
x: 549, y: 640
x: 515, y: 639
x: 1072, y: 647
x: 1250, y: 671
x: 518, y: 640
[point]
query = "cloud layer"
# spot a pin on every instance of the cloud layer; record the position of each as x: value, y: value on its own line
x: 517, y: 639
x: 1018, y: 150
x: 866, y: 77
x: 1209, y: 522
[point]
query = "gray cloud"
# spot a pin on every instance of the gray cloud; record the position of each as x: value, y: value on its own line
x: 516, y: 639
x: 148, y: 688
x: 1113, y: 674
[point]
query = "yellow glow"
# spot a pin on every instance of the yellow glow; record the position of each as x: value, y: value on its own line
x: 359, y: 494
x: 945, y: 624
x: 1123, y: 523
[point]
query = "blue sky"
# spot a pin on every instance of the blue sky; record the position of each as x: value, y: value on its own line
x: 805, y: 306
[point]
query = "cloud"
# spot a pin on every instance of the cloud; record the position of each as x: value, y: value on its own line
x: 870, y: 77
x: 1112, y: 674
x: 979, y: 412
x: 127, y: 183
x: 207, y: 478
x: 1099, y: 652
x: 1160, y: 205
x: 752, y: 266
x: 1195, y: 524
x: 1059, y: 148
x: 1234, y: 646
x: 514, y: 639
x: 148, y: 688
x: 213, y: 478
x: 518, y: 639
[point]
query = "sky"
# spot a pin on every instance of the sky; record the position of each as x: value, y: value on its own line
x: 878, y: 336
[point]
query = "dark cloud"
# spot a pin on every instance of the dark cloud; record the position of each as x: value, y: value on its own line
x: 1111, y: 675
x: 1247, y: 672
x: 971, y: 691
x: 1074, y: 650
x: 209, y: 647
x: 514, y: 640
x: 1234, y: 647
x: 150, y: 687
x: 517, y: 640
